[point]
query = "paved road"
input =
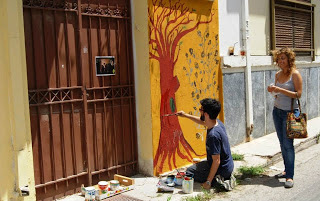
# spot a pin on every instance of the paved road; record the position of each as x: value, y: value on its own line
x: 265, y: 188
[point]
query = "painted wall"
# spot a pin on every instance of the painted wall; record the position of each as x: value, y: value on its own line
x: 142, y: 85
x: 16, y: 148
x: 184, y: 68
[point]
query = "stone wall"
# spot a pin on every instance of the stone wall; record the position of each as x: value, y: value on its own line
x: 235, y: 103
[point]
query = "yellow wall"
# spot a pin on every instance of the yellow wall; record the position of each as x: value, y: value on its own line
x: 16, y: 168
x: 195, y: 75
x: 142, y: 85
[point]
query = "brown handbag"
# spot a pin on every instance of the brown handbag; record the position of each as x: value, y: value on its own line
x: 296, y: 126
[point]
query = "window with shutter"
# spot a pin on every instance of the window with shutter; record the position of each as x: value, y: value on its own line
x: 293, y: 25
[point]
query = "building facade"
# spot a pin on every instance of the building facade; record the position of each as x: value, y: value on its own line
x: 64, y: 124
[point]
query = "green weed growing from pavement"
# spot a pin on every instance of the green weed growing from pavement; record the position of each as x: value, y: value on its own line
x: 251, y: 171
x: 169, y: 198
x: 206, y: 195
x: 237, y: 157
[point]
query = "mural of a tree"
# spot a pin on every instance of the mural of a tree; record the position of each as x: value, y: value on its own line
x: 201, y: 72
x: 169, y: 22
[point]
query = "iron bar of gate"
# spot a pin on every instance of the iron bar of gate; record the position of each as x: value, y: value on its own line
x: 74, y: 158
x: 130, y: 102
x: 110, y: 87
x: 56, y: 102
x: 50, y: 9
x: 102, y: 80
x: 38, y: 110
x: 63, y: 150
x: 55, y: 89
x: 106, y: 16
x: 52, y: 146
x: 84, y: 93
x: 112, y: 101
x: 57, y: 51
x: 116, y: 167
x: 121, y: 100
x: 109, y: 99
x: 52, y: 154
x: 91, y: 74
x: 63, y: 158
x: 61, y: 180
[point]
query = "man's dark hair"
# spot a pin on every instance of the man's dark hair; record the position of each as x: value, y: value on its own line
x: 211, y: 106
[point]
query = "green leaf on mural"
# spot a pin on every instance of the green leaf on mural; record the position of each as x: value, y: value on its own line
x: 172, y: 105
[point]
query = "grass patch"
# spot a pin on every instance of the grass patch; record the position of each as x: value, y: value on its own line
x: 251, y: 171
x: 206, y: 195
x: 237, y: 157
x: 169, y: 198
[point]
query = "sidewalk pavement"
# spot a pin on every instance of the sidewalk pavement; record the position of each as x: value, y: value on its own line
x: 263, y: 151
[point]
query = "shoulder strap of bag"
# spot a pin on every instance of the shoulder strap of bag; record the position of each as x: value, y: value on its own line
x: 298, y: 103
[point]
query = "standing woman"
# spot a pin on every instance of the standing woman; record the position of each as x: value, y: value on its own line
x: 288, y: 85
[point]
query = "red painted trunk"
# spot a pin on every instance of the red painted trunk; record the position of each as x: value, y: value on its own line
x: 171, y: 134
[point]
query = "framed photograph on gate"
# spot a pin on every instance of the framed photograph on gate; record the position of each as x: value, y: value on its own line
x: 105, y: 66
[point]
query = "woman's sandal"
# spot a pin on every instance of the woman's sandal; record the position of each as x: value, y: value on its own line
x: 289, y: 183
x: 280, y: 175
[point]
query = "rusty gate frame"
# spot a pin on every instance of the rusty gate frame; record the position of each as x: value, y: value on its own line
x: 57, y: 96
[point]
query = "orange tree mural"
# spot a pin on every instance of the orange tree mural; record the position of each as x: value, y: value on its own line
x: 169, y: 22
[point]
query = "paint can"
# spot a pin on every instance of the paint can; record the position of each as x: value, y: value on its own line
x: 103, y: 185
x: 179, y: 178
x: 187, y: 185
x: 114, y: 185
x: 90, y: 194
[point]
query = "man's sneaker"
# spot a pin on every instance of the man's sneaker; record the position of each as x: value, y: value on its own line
x: 227, y: 184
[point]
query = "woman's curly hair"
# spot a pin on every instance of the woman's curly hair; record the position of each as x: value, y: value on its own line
x: 289, y: 53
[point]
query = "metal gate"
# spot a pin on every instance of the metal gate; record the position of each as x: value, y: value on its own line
x: 83, y: 126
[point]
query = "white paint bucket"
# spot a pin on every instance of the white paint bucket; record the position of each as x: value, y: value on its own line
x: 114, y: 185
x: 187, y: 185
x: 90, y: 194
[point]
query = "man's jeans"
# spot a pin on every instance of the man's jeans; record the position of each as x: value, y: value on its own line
x: 286, y: 144
x: 201, y: 170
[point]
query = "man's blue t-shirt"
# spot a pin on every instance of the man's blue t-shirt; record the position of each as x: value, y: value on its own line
x: 217, y: 143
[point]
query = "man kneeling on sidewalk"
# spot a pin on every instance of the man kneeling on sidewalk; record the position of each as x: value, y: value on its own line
x: 219, y: 163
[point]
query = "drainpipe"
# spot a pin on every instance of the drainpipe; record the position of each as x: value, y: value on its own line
x: 246, y: 51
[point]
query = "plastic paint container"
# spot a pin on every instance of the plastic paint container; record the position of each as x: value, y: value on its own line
x: 103, y: 185
x: 90, y: 194
x: 114, y: 185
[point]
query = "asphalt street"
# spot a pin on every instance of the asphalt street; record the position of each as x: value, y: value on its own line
x: 265, y: 188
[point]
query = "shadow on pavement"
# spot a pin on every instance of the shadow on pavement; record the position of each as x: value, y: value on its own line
x: 264, y: 180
